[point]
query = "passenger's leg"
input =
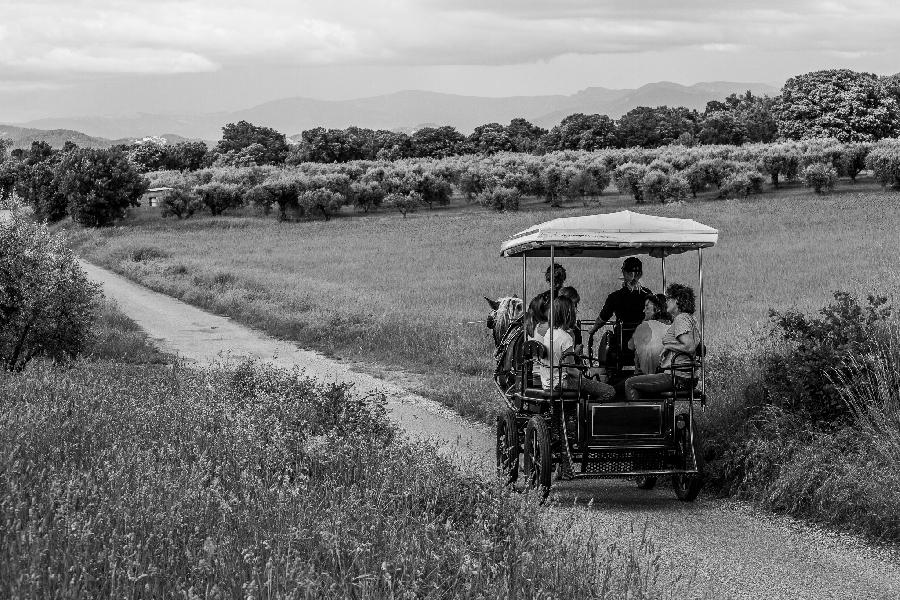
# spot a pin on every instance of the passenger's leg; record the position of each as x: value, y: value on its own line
x: 647, y: 384
x: 597, y: 390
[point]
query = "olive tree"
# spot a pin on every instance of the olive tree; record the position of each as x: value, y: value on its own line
x: 47, y: 305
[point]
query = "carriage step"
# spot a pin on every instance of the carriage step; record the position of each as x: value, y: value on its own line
x: 623, y: 461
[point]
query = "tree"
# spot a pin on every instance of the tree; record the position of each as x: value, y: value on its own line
x: 99, y: 185
x: 186, y: 156
x: 524, y: 136
x: 739, y: 120
x: 490, y: 139
x: 237, y: 136
x: 325, y: 145
x: 181, y: 203
x: 322, y: 201
x: 47, y: 304
x: 582, y: 132
x: 838, y: 103
x: 404, y: 203
x: 149, y: 154
x: 437, y: 142
x: 219, y: 197
x: 653, y: 127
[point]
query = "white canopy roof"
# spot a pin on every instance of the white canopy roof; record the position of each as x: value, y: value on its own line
x: 612, y: 235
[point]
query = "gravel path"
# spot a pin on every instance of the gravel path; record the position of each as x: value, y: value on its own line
x: 737, y: 551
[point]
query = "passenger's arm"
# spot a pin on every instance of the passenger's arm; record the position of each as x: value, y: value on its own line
x: 683, y: 343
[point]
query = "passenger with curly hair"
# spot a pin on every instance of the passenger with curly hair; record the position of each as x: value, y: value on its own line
x: 647, y: 341
x: 679, y: 344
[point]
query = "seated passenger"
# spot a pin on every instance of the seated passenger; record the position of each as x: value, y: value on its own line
x: 681, y: 336
x: 559, y: 279
x: 536, y: 326
x: 561, y: 376
x: 647, y: 339
x: 572, y: 294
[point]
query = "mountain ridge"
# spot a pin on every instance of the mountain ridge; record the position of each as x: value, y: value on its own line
x: 406, y: 109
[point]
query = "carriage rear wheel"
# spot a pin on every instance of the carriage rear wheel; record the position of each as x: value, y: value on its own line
x: 507, y: 447
x: 538, y: 459
x: 687, y: 485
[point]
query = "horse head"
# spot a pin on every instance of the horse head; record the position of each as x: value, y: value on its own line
x: 503, y: 312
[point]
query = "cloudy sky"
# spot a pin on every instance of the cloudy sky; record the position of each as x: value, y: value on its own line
x: 96, y: 57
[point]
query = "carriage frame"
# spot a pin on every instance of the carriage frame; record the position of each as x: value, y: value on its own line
x: 617, y: 439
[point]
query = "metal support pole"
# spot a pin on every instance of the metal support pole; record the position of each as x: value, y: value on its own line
x: 525, y: 376
x: 664, y: 274
x: 552, y: 286
x: 702, y: 322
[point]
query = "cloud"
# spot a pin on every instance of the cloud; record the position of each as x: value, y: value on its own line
x: 65, y: 38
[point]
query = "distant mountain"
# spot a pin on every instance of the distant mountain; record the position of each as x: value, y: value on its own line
x: 22, y: 137
x: 409, y: 109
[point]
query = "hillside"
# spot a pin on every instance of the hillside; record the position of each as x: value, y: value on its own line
x: 408, y: 109
x: 22, y: 137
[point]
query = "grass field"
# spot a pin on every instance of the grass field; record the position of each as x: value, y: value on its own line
x: 404, y: 292
x: 121, y: 477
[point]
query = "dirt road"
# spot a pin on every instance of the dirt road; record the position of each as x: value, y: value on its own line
x: 738, y: 552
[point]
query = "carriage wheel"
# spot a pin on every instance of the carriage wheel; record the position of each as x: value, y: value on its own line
x: 538, y: 460
x: 687, y: 485
x: 507, y: 447
x: 647, y: 482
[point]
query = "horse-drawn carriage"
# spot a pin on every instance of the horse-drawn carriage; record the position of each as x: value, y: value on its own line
x: 609, y: 439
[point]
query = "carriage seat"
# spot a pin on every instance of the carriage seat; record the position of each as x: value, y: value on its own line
x: 540, y: 393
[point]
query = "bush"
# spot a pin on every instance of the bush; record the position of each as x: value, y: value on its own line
x: 47, y: 305
x: 853, y: 159
x: 796, y: 372
x: 820, y: 177
x: 500, y: 199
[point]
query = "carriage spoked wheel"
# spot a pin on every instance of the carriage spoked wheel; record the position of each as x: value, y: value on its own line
x: 687, y: 485
x: 538, y: 459
x: 507, y: 447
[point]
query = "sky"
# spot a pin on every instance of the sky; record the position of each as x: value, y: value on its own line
x: 115, y: 57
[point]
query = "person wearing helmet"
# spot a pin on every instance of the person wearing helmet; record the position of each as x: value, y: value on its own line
x: 627, y: 305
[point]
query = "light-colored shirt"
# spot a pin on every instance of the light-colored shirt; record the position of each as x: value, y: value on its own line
x: 682, y: 324
x: 562, y: 343
x: 648, y: 346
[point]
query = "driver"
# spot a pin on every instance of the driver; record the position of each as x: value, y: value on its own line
x: 626, y: 303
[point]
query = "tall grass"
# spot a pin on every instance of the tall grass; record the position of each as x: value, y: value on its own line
x: 406, y: 292
x: 136, y: 481
x: 847, y: 474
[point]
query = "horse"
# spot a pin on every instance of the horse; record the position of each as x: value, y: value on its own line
x: 506, y: 324
x: 504, y: 311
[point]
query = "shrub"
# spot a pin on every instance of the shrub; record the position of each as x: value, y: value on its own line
x: 796, y: 371
x: 500, y: 199
x: 820, y: 177
x: 654, y: 186
x: 628, y: 178
x: 47, y: 305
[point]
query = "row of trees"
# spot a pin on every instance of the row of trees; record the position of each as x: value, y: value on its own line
x: 94, y: 187
x: 840, y: 104
x: 500, y: 181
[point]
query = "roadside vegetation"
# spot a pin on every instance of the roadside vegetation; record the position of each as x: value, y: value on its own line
x: 786, y: 249
x: 125, y: 474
